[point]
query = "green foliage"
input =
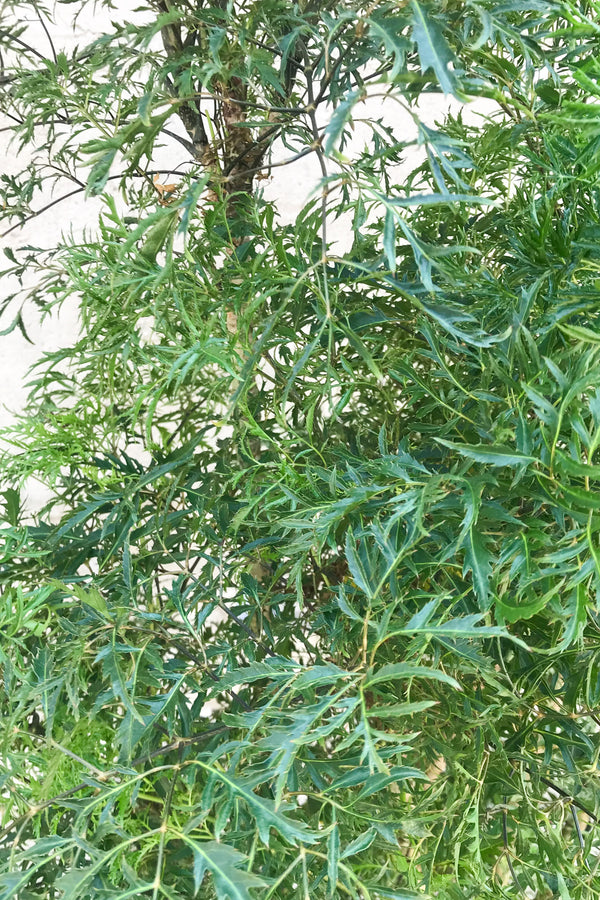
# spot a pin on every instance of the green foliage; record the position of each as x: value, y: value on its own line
x: 313, y: 610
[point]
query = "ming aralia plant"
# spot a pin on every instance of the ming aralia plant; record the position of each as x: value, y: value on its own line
x: 313, y: 609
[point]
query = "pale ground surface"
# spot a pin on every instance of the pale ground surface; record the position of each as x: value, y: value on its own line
x: 292, y: 185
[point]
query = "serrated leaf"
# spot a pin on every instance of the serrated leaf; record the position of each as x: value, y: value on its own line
x: 577, y: 616
x: 576, y: 498
x: 225, y: 863
x: 88, y: 509
x: 379, y: 781
x: 493, y: 454
x: 466, y: 627
x: 340, y: 118
x: 49, y: 685
x: 511, y: 611
x: 264, y: 810
x: 112, y: 663
x: 434, y: 51
x: 333, y: 859
x: 93, y: 598
x: 394, y: 671
x: 394, y: 710
x: 12, y: 505
x: 374, y: 782
x: 75, y: 882
x: 157, y: 235
x: 564, y: 463
x: 99, y: 172
x: 356, y: 565
x: 389, y: 239
x: 580, y: 333
x: 345, y: 607
x: 145, y: 107
x: 17, y: 322
x: 389, y: 30
x: 422, y: 616
x: 362, y: 842
x: 478, y: 561
x: 257, y: 672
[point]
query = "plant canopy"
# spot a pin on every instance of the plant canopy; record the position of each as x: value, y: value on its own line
x: 313, y: 609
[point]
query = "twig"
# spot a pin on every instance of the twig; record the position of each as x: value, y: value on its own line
x: 24, y: 44
x: 270, y: 132
x: 50, y: 41
x: 507, y: 852
x: 163, y: 834
x: 39, y: 212
x: 223, y: 606
x: 190, y: 114
x: 323, y: 166
x: 331, y: 74
x: 325, y: 190
x: 210, y: 673
x: 284, y: 162
x: 65, y: 173
x: 79, y: 190
x: 566, y: 796
x: 291, y: 110
x: 183, y: 141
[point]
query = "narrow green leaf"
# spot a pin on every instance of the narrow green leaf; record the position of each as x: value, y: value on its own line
x: 379, y: 781
x: 434, y: 51
x: 515, y: 609
x: 389, y: 239
x: 444, y: 199
x: 395, y: 710
x: 387, y: 894
x: 264, y: 810
x: 340, y: 118
x: 493, y: 454
x: 394, y: 671
x: 333, y: 858
x: 578, y: 498
x: 580, y: 333
x: 389, y: 29
x: 93, y: 598
x: 564, y: 463
x: 145, y: 107
x: 478, y: 561
x: 12, y: 505
x: 373, y: 783
x: 422, y: 616
x: 99, y: 172
x: 158, y: 234
x: 225, y: 863
x: 577, y: 616
x: 362, y: 842
x: 356, y: 565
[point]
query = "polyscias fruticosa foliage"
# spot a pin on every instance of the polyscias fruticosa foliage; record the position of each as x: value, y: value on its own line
x: 313, y: 610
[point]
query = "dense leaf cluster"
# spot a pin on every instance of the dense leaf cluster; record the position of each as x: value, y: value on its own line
x: 313, y: 610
